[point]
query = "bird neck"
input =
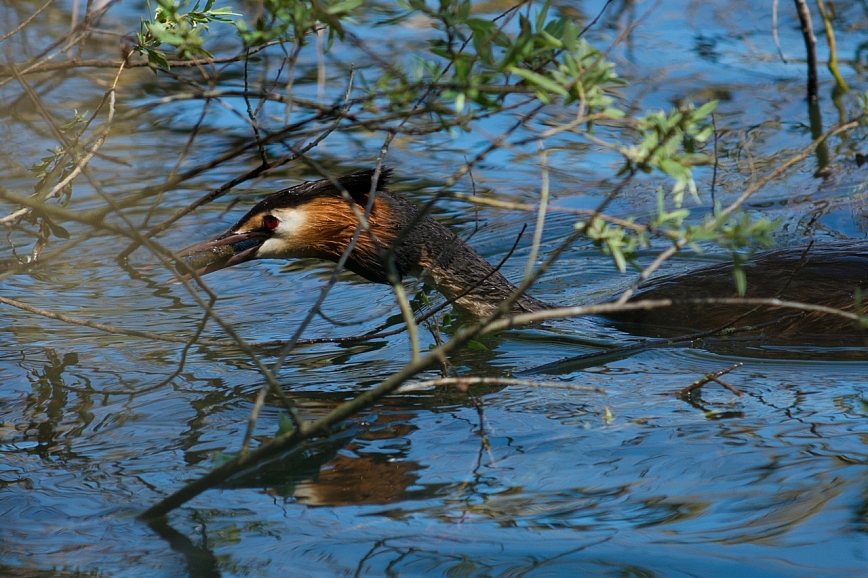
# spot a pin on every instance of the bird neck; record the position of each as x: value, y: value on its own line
x: 463, y: 276
x: 424, y: 248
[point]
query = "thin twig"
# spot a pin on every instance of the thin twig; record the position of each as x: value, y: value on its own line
x: 465, y: 382
x: 27, y: 21
x: 775, y: 30
x: 251, y: 419
x: 92, y: 324
x: 5, y: 71
x: 726, y: 385
x: 226, y: 187
x: 833, y: 49
x: 62, y: 44
x: 711, y: 377
x: 648, y: 304
x: 541, y: 214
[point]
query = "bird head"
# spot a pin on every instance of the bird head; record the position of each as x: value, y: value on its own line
x: 313, y: 219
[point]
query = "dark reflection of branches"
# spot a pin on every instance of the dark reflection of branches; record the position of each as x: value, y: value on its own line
x: 404, y: 553
x: 48, y: 406
x: 816, y: 120
x: 200, y: 559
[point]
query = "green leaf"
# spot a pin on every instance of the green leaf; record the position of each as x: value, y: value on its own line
x: 344, y: 7
x: 284, y: 425
x: 617, y: 256
x: 56, y: 229
x: 539, y: 80
x: 480, y: 25
x: 543, y: 14
x: 570, y: 37
x: 706, y: 109
x: 221, y: 458
x: 673, y: 168
x: 157, y: 59
x: 551, y: 40
x: 476, y: 346
x: 740, y: 279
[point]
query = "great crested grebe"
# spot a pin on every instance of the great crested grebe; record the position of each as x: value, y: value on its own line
x: 313, y: 219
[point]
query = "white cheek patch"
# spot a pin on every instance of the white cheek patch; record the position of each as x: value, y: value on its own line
x: 270, y: 249
x: 291, y: 220
x: 286, y: 239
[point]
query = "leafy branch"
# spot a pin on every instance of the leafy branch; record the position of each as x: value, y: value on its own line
x: 183, y: 30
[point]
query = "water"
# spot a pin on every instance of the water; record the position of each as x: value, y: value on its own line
x: 607, y: 474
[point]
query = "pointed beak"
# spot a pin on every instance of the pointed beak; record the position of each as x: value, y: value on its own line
x: 227, y: 250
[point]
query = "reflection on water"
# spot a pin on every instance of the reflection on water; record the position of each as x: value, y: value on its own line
x: 764, y: 469
x: 357, y: 466
x: 515, y: 481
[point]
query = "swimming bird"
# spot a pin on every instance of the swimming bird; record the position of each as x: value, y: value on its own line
x: 314, y: 219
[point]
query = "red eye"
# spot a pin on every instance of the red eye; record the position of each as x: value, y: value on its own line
x: 271, y: 222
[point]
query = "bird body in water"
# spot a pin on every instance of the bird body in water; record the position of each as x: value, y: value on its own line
x: 829, y: 275
x: 315, y: 219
